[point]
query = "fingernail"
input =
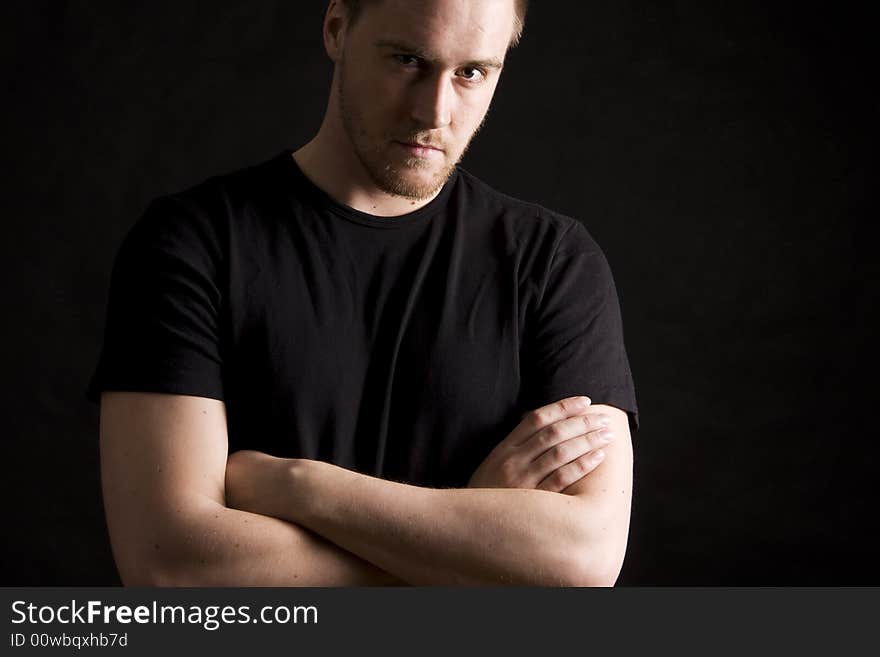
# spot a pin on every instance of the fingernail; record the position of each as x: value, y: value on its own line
x: 584, y: 401
x: 598, y: 455
x: 604, y: 420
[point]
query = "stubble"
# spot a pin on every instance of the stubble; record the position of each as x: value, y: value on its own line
x: 391, y: 176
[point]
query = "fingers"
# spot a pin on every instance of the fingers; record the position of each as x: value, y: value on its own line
x: 565, y: 476
x: 538, y: 419
x: 554, y: 442
x: 564, y: 452
x: 575, y: 451
x: 554, y: 446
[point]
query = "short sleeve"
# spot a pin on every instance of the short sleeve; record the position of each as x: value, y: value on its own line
x: 162, y: 329
x: 574, y: 344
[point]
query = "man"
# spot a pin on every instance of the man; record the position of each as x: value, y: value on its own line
x: 356, y: 364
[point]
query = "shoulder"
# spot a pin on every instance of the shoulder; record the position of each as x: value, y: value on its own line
x: 226, y: 192
x: 531, y: 223
x: 203, y: 213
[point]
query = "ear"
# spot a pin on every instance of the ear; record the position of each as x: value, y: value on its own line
x: 335, y: 24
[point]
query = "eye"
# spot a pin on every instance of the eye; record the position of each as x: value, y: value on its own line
x: 407, y: 60
x: 472, y: 74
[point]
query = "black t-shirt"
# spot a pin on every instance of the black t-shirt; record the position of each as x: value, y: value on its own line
x: 402, y: 347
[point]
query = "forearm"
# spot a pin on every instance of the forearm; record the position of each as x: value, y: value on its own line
x: 209, y: 544
x: 446, y: 537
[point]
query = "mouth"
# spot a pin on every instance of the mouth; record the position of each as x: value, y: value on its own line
x: 420, y: 150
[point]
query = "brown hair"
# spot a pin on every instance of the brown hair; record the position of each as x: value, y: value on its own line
x: 354, y: 8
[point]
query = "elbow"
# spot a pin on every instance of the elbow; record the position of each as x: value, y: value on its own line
x: 599, y: 567
x: 156, y: 573
x: 591, y: 574
x: 598, y: 553
x: 594, y: 576
x: 165, y: 557
x: 159, y: 577
x: 148, y: 576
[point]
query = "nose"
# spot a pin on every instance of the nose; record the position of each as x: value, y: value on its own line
x: 432, y: 102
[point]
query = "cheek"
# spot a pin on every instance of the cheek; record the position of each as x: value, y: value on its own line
x: 383, y: 106
x: 471, y: 112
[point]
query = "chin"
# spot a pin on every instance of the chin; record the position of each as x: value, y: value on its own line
x: 409, y: 177
x: 410, y: 184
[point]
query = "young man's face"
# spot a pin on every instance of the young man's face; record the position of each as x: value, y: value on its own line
x: 420, y: 71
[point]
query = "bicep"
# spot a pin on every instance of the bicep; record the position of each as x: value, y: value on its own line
x: 607, y: 493
x: 575, y: 345
x: 163, y: 457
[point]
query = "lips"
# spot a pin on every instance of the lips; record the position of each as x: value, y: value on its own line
x: 415, y: 145
x: 419, y: 149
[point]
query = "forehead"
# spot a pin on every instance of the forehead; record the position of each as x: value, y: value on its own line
x: 445, y: 28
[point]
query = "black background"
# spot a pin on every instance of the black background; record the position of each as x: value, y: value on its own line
x: 718, y: 151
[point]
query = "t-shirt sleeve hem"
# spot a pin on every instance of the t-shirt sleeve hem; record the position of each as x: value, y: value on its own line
x: 618, y: 398
x: 94, y: 389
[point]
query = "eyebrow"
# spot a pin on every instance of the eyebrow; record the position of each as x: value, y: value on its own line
x: 421, y: 53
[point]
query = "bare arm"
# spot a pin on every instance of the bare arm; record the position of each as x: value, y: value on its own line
x: 455, y: 537
x: 163, y: 468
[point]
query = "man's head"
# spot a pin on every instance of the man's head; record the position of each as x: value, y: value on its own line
x: 521, y: 7
x: 416, y: 72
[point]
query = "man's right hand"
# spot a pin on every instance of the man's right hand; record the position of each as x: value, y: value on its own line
x: 550, y: 449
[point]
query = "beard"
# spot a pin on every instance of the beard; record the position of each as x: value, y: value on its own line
x: 391, y: 174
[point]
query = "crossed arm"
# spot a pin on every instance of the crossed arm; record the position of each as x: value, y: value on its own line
x: 180, y: 513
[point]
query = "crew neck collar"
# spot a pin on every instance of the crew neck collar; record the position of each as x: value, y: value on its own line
x: 364, y: 218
